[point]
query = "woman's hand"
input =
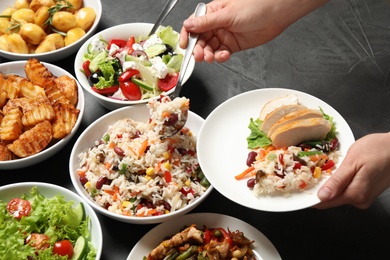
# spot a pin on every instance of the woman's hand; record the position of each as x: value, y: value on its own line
x: 363, y: 175
x: 231, y: 26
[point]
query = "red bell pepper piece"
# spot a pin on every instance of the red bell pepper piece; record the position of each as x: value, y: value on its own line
x: 167, y: 176
x: 129, y: 45
x: 106, y: 91
x: 328, y: 165
x: 206, y: 235
x: 226, y: 236
x: 86, y: 68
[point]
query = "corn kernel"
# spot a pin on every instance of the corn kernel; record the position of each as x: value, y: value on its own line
x: 166, y: 211
x: 125, y: 204
x: 149, y: 171
x: 88, y: 185
x: 167, y: 166
x: 148, y: 178
x: 166, y: 155
x: 188, y: 182
x: 317, y: 172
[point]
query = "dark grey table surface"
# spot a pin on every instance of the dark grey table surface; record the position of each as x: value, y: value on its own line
x: 339, y: 53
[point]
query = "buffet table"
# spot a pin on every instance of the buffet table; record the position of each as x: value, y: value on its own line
x: 339, y: 53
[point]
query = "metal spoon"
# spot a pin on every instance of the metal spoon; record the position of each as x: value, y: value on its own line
x: 192, y: 39
x: 166, y: 10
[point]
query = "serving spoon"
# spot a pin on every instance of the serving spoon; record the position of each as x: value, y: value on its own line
x: 176, y: 126
x: 166, y: 10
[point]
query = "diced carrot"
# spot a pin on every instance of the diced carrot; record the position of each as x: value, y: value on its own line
x: 111, y: 145
x: 244, y: 173
x: 165, y: 114
x: 142, y: 149
x: 317, y: 157
x: 107, y: 165
x: 81, y: 173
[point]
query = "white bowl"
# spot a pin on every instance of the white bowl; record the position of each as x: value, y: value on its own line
x: 123, y: 31
x: 95, y: 131
x: 10, y: 191
x: 17, y: 67
x: 60, y: 53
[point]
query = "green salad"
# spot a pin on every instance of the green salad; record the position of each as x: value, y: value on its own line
x: 35, y: 227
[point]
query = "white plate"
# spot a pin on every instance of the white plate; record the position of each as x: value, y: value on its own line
x: 262, y: 246
x: 96, y: 130
x: 17, y: 67
x: 222, y: 148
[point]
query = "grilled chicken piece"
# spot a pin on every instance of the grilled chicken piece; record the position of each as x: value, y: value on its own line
x: 273, y: 117
x: 188, y: 235
x: 37, y: 73
x: 293, y: 116
x: 276, y: 103
x: 68, y: 88
x: 300, y: 130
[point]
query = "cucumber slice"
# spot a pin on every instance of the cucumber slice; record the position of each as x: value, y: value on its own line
x: 79, y: 211
x: 142, y: 84
x: 93, y: 66
x: 80, y: 249
x: 155, y: 50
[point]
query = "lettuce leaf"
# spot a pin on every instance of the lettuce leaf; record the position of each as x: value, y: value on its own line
x: 50, y: 216
x: 257, y: 138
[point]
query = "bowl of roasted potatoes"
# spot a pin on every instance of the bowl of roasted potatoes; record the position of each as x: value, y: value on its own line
x: 48, y: 30
x: 41, y: 107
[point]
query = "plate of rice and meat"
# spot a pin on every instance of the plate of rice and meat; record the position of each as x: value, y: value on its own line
x: 278, y: 147
x: 204, y: 236
x: 126, y: 167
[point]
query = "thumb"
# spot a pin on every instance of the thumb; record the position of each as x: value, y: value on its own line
x: 204, y: 23
x: 336, y: 184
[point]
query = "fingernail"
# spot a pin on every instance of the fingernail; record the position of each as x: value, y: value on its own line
x: 189, y: 24
x: 325, y: 193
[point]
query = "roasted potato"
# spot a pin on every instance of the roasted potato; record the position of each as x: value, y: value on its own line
x: 85, y: 18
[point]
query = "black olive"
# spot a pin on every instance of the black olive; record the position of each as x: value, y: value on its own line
x: 94, y: 78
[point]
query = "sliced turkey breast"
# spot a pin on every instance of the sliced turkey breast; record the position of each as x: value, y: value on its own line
x: 294, y: 133
x: 293, y: 116
x: 276, y: 103
x: 277, y: 114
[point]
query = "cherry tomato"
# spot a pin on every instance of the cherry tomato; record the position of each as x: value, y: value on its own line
x: 63, y: 248
x: 86, y: 68
x: 118, y: 42
x: 18, y: 207
x: 130, y: 90
x: 127, y: 75
x: 38, y: 241
x: 168, y: 82
x: 106, y: 91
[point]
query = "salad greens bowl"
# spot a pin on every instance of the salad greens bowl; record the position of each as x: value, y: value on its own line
x: 122, y: 65
x: 55, y: 216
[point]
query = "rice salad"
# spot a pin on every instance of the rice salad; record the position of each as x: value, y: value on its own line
x: 135, y: 171
x: 290, y: 169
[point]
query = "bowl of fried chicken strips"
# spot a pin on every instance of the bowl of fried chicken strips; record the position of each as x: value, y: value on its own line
x: 41, y: 107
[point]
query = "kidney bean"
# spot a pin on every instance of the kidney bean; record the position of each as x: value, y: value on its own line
x: 173, y: 118
x: 100, y: 182
x: 119, y: 151
x: 251, y: 183
x: 251, y: 158
x: 334, y: 143
x: 83, y: 180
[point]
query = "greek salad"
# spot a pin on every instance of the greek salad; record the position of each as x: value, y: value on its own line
x: 134, y: 68
x: 35, y: 227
